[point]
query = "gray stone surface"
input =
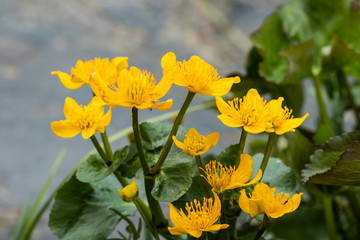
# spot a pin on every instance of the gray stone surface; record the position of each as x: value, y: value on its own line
x: 40, y: 36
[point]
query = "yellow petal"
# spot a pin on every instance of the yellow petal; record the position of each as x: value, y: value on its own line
x: 222, y: 86
x: 192, y: 133
x: 194, y: 232
x: 106, y: 119
x: 64, y: 129
x: 163, y: 106
x: 168, y: 60
x: 66, y: 80
x: 222, y: 105
x: 216, y: 227
x: 120, y: 63
x: 290, y: 124
x: 255, y: 128
x: 175, y: 217
x: 88, y: 132
x: 229, y: 121
x: 70, y: 106
x: 210, y: 141
x: 178, y: 143
x: 177, y: 230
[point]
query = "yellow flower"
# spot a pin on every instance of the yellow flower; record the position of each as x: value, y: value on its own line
x: 247, y: 112
x: 129, y: 192
x: 199, y: 218
x: 83, y: 71
x: 131, y: 88
x: 263, y: 201
x: 196, y: 144
x: 84, y: 119
x: 282, y: 121
x: 223, y: 178
x: 196, y: 75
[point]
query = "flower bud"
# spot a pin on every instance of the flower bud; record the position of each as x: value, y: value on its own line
x: 129, y: 192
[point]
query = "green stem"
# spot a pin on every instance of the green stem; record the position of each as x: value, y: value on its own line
x: 232, y: 228
x: 268, y: 149
x: 324, y: 116
x: 262, y: 227
x: 173, y: 132
x: 157, y: 215
x: 204, y: 236
x: 107, y: 146
x: 135, y: 126
x: 329, y: 217
x: 99, y: 149
x: 202, y: 173
x: 200, y: 166
x: 223, y: 218
x: 241, y: 147
x: 342, y: 78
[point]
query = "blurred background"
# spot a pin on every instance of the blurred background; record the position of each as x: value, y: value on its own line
x: 40, y: 36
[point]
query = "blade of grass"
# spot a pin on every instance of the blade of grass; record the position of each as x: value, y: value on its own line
x: 33, y: 217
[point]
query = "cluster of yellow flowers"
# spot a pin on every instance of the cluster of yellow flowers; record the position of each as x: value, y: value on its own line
x: 114, y: 84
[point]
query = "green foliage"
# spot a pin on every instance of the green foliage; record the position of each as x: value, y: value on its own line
x: 337, y: 163
x: 277, y: 174
x: 94, y: 169
x: 82, y: 210
x: 176, y: 174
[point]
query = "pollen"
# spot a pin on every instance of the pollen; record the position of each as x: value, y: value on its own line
x: 281, y: 117
x: 218, y: 176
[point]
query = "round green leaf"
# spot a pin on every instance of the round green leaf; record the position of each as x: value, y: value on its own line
x: 82, y: 210
x: 94, y: 168
x: 277, y: 174
x: 175, y: 177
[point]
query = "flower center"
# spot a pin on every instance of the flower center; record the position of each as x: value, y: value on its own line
x: 218, y: 176
x: 197, y: 73
x: 282, y: 116
x: 248, y: 109
x: 195, y: 143
x: 198, y: 214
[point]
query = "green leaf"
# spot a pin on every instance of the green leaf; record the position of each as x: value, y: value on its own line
x: 277, y: 174
x: 336, y: 163
x: 323, y: 133
x: 131, y: 163
x: 341, y: 56
x: 298, y: 58
x: 196, y: 191
x: 270, y: 40
x: 228, y: 155
x: 176, y: 174
x: 82, y: 210
x: 348, y: 30
x: 94, y: 168
x: 175, y: 177
x: 154, y: 135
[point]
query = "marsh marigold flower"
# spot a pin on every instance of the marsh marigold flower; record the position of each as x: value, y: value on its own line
x: 196, y: 144
x: 282, y: 121
x: 85, y: 119
x: 132, y: 88
x: 199, y: 218
x: 247, y: 112
x: 196, y: 75
x: 223, y: 178
x: 129, y: 192
x: 83, y: 71
x: 264, y: 201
